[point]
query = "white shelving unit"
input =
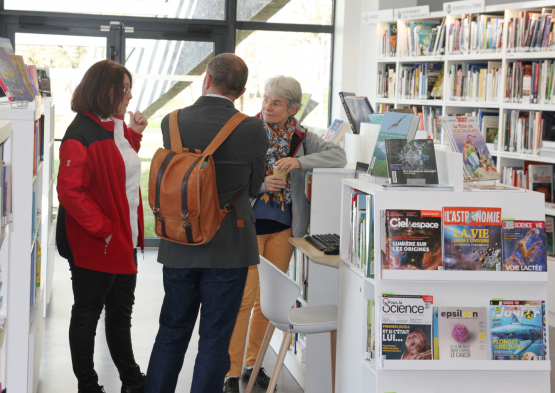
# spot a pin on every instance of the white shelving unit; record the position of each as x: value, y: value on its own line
x: 48, y: 224
x: 24, y: 325
x: 5, y: 140
x: 313, y: 375
x: 448, y: 288
x: 449, y: 106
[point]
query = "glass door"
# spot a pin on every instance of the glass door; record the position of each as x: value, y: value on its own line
x: 167, y: 75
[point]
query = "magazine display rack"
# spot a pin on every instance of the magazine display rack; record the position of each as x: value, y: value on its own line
x: 448, y: 288
x: 23, y: 300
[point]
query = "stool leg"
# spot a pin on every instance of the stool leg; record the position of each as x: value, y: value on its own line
x: 260, y: 357
x: 333, y: 341
x: 279, y: 363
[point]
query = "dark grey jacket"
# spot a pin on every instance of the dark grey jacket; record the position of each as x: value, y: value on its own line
x: 240, y: 161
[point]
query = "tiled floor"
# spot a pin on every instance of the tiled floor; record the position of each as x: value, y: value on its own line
x: 56, y: 375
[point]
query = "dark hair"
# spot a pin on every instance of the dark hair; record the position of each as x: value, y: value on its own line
x: 101, y: 89
x: 229, y: 73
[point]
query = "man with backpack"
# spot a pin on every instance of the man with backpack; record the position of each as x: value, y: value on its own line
x: 212, y: 274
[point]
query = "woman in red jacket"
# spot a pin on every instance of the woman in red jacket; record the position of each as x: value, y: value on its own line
x: 100, y: 220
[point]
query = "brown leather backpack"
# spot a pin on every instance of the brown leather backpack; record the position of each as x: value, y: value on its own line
x: 182, y: 189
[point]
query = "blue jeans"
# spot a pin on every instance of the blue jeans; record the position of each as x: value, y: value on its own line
x: 220, y: 292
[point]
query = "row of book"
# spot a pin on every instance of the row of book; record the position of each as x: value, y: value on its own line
x: 409, y: 327
x: 20, y: 81
x: 532, y: 31
x: 388, y: 45
x: 477, y: 33
x: 530, y: 82
x: 475, y: 81
x: 386, y: 82
x: 298, y: 271
x: 422, y: 38
x: 5, y: 197
x: 527, y: 132
x: 531, y: 176
x: 421, y: 81
x: 361, y: 234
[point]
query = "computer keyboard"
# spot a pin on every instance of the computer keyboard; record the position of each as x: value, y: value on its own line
x: 323, y: 241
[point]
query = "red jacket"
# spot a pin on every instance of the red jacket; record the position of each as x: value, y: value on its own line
x: 93, y: 199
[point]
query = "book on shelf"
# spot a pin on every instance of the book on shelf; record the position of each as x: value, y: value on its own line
x: 488, y: 120
x: 394, y: 126
x: 383, y: 108
x: 336, y: 131
x: 517, y: 330
x: 309, y: 108
x: 406, y: 324
x: 514, y: 177
x: 417, y: 81
x: 422, y: 38
x: 549, y: 235
x: 304, y: 101
x: 478, y: 82
x: 529, y: 132
x: 476, y: 33
x: 23, y: 71
x: 386, y: 81
x: 531, y: 31
x: 462, y: 333
x: 465, y: 137
x: 370, y: 331
x: 389, y: 40
x: 540, y: 179
x: 43, y: 75
x: 357, y: 109
x: 411, y: 240
x: 530, y: 82
x: 358, y: 238
x: 472, y: 238
x: 369, y: 256
x: 495, y: 188
x: 34, y: 79
x: 411, y: 161
x: 7, y: 45
x: 298, y: 271
x: 11, y: 82
x: 524, y: 246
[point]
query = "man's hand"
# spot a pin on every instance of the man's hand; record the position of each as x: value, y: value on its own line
x: 274, y: 183
x: 287, y: 164
x: 137, y: 122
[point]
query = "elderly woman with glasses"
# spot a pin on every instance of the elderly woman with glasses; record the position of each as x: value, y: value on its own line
x: 100, y: 220
x: 281, y: 210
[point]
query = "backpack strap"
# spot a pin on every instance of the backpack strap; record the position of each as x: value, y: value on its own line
x: 231, y: 205
x: 175, y: 136
x: 223, y: 134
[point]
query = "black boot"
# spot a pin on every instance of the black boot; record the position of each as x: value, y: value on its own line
x: 262, y: 380
x: 231, y: 385
x: 137, y: 388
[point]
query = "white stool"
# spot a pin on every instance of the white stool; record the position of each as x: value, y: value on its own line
x: 278, y: 294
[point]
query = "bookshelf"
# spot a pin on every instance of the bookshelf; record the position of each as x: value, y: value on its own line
x: 22, y: 298
x: 323, y: 280
x: 446, y: 103
x: 48, y: 219
x: 6, y: 153
x: 448, y: 288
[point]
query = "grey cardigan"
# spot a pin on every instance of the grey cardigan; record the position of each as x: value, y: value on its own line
x: 313, y: 152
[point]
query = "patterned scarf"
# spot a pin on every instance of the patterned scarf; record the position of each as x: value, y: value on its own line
x: 279, y: 143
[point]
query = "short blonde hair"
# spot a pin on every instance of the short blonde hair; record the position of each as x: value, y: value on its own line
x: 287, y: 87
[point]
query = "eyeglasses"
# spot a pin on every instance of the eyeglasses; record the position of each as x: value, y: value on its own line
x: 126, y: 90
x: 273, y: 104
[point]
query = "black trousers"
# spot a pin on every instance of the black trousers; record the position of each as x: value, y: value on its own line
x: 93, y: 291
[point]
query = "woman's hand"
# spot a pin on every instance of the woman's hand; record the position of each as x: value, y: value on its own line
x: 137, y: 122
x: 287, y: 164
x: 274, y: 183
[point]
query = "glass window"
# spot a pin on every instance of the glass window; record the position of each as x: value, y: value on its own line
x: 314, y: 12
x: 304, y: 56
x: 182, y: 9
x: 167, y: 75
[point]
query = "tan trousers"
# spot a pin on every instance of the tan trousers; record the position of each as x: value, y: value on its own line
x: 276, y: 249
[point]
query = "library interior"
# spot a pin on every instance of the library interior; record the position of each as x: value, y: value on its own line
x: 416, y: 208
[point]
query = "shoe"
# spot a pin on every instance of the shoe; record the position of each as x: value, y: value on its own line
x: 231, y: 385
x: 137, y: 388
x: 262, y: 380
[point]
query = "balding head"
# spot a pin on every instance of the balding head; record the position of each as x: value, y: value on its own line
x: 229, y: 74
